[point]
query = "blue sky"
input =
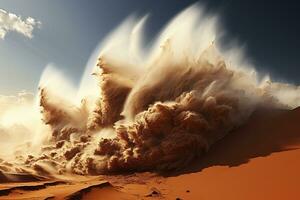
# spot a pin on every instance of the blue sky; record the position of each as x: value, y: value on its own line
x: 71, y: 29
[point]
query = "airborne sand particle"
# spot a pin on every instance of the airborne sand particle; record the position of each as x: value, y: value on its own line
x: 155, y: 109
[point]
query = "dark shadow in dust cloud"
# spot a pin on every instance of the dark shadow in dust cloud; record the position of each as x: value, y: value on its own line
x: 266, y: 132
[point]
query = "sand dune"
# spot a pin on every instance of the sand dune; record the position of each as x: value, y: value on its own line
x: 268, y: 131
x: 260, y: 160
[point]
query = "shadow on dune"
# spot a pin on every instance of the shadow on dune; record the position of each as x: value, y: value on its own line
x: 15, y: 178
x: 267, y: 131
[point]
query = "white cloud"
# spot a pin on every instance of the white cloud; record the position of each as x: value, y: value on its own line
x: 12, y: 22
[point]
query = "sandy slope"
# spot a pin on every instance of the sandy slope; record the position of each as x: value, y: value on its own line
x: 260, y: 160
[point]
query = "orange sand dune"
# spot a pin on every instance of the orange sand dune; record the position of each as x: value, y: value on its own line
x: 260, y: 160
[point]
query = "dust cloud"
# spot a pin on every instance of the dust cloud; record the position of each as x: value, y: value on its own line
x: 153, y: 108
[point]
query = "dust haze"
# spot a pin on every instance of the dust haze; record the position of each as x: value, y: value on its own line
x: 138, y: 107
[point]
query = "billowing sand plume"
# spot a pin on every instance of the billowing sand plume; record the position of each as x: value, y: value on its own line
x: 155, y: 108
